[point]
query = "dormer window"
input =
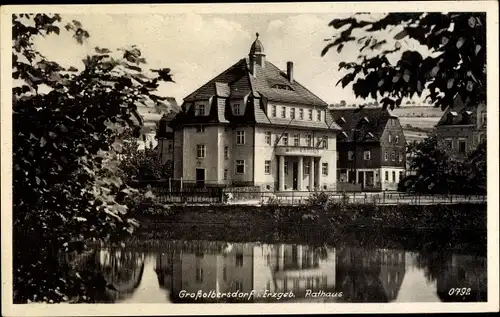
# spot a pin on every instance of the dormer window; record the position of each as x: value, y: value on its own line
x: 283, y: 112
x: 236, y: 109
x: 466, y: 117
x: 319, y: 115
x: 200, y: 110
x: 273, y: 111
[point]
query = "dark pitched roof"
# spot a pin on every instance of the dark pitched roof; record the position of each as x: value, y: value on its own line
x: 460, y: 114
x: 366, y: 124
x: 242, y: 82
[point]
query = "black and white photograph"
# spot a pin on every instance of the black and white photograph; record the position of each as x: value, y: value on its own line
x: 250, y: 158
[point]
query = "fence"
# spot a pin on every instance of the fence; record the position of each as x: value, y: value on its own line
x: 254, y: 196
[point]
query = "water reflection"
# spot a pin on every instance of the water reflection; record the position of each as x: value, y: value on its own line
x: 176, y: 268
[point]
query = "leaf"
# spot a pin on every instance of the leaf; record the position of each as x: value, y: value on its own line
x: 401, y: 35
x: 42, y: 141
x: 434, y: 71
x: 406, y: 75
x: 478, y: 48
x: 449, y: 84
x: 380, y: 83
x: 339, y: 48
x: 472, y: 22
x: 444, y: 40
x: 460, y: 42
x: 326, y: 49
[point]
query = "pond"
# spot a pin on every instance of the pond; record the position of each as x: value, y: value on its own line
x: 201, y: 271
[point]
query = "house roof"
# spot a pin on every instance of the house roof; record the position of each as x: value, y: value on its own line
x: 361, y: 124
x: 459, y: 114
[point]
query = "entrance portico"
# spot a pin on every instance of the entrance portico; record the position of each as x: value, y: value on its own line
x: 307, y: 161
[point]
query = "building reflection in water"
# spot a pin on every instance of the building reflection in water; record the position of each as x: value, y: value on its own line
x: 362, y: 275
x: 370, y: 275
x: 467, y: 273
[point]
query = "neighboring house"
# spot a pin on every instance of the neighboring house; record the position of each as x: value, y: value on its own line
x: 461, y: 128
x: 371, y: 149
x: 165, y: 137
x: 255, y: 125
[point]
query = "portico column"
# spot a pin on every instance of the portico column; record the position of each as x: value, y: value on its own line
x: 281, y: 172
x: 300, y: 172
x: 311, y: 174
x: 319, y: 173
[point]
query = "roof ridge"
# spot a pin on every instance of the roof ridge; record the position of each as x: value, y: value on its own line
x: 213, y: 80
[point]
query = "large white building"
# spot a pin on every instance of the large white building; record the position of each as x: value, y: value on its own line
x: 255, y: 125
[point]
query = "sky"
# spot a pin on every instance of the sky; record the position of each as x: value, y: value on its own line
x: 197, y: 47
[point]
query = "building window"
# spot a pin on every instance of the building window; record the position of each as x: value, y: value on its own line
x: 268, y: 138
x: 401, y: 157
x: 350, y: 155
x: 310, y: 114
x: 325, y: 142
x: 292, y: 113
x: 296, y: 140
x: 240, y: 167
x: 285, y: 139
x: 393, y: 176
x: 200, y: 129
x: 319, y: 115
x: 301, y: 114
x: 200, y: 110
x: 324, y: 169
x: 462, y: 146
x: 307, y: 168
x: 267, y: 167
x: 225, y: 174
x: 277, y: 139
x: 237, y: 109
x: 483, y: 118
x: 386, y: 156
x: 283, y: 112
x: 401, y: 175
x: 448, y: 144
x: 239, y: 259
x: 200, y: 150
x: 308, y: 140
x: 240, y: 137
x: 199, y: 275
x: 238, y: 285
x: 393, y: 156
x: 390, y: 137
x: 396, y: 139
x: 273, y: 111
x: 367, y: 155
x: 386, y: 176
x: 226, y: 152
x: 285, y: 167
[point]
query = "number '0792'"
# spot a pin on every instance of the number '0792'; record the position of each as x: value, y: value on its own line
x: 459, y: 291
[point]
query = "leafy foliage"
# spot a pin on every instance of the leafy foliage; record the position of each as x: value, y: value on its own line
x: 456, y: 64
x: 437, y: 173
x: 66, y: 127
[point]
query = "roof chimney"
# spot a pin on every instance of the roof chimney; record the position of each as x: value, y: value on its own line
x: 289, y: 71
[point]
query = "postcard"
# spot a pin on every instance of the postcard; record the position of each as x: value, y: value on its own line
x: 258, y: 158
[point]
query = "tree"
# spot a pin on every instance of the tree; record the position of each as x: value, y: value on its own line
x: 66, y: 128
x: 455, y: 63
x: 437, y: 173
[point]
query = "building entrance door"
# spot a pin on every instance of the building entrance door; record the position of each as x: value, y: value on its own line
x: 200, y: 176
x: 295, y: 172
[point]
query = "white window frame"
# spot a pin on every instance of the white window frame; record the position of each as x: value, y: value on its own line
x: 386, y: 176
x: 325, y: 142
x: 324, y: 168
x: 307, y: 168
x: 268, y: 138
x: 396, y: 139
x: 226, y: 152
x: 226, y: 172
x: 451, y: 143
x: 292, y: 113
x: 393, y: 156
x: 267, y: 167
x: 236, y: 108
x: 200, y: 109
x: 201, y: 150
x: 386, y: 156
x: 284, y: 139
x: 296, y: 140
x: 400, y: 158
x: 308, y: 140
x: 283, y: 112
x: 301, y: 114
x: 367, y: 155
x: 273, y: 111
x: 390, y: 138
x: 240, y: 137
x: 350, y: 155
x: 310, y: 114
x: 318, y: 115
x: 240, y: 163
x: 462, y: 140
